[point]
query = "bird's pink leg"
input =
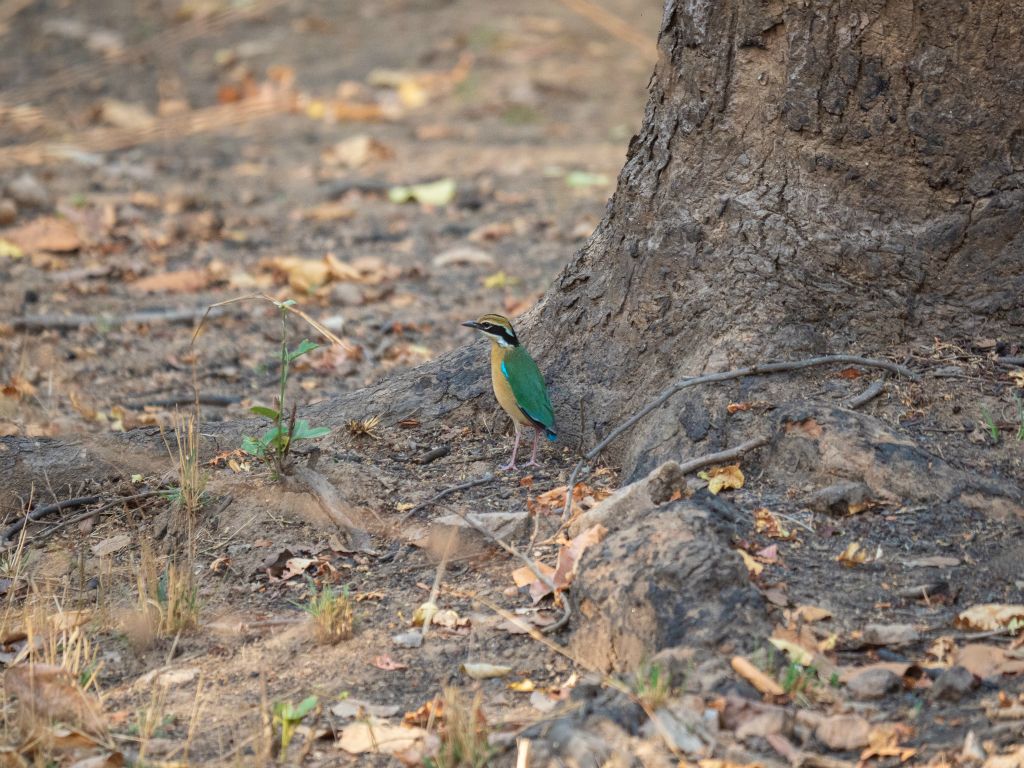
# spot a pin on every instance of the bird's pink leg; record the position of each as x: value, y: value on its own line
x: 515, y: 447
x: 533, y: 456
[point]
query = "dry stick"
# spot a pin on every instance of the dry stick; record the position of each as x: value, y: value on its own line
x: 92, y: 513
x: 728, y: 455
x: 534, y: 569
x: 40, y: 512
x: 1010, y: 361
x: 738, y: 373
x: 74, y: 322
x: 436, y: 588
x: 332, y: 505
x: 867, y: 395
x: 447, y: 492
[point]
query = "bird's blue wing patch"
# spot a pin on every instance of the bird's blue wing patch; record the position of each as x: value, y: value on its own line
x: 504, y: 370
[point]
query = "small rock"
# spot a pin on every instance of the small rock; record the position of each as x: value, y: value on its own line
x: 839, y: 499
x: 346, y: 295
x: 890, y: 634
x: 335, y: 323
x: 411, y: 639
x: 842, y: 733
x: 972, y: 750
x: 27, y: 191
x: 8, y: 211
x: 765, y: 723
x: 679, y: 733
x: 872, y: 684
x: 953, y: 684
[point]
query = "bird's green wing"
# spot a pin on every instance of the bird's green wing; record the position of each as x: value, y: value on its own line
x: 527, y: 383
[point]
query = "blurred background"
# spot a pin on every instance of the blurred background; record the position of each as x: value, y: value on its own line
x: 394, y: 166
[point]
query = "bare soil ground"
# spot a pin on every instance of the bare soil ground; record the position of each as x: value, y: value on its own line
x: 185, y: 154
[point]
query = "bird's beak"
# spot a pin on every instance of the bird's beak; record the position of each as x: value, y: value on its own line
x: 472, y: 324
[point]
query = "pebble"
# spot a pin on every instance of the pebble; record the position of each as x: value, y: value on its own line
x: 890, y: 634
x: 346, y: 295
x: 843, y: 733
x: 411, y: 639
x: 952, y: 685
x: 8, y: 211
x: 27, y: 191
x: 872, y: 684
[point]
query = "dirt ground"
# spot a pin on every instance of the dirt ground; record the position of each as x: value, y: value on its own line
x: 159, y: 158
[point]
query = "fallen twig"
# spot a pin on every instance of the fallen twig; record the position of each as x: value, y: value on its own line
x: 201, y: 399
x: 447, y: 492
x: 867, y: 395
x: 728, y: 455
x: 434, y: 454
x: 74, y: 322
x: 40, y: 512
x: 1010, y: 361
x: 529, y: 563
x: 332, y: 505
x: 4, y: 536
x: 738, y: 373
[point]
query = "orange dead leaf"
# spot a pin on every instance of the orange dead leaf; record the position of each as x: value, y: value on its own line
x: 47, y: 233
x: 386, y: 663
x: 989, y: 617
x: 849, y: 373
x: 853, y: 555
x: 181, y: 281
x: 737, y: 407
x: 753, y: 567
x: 760, y: 680
x: 767, y: 523
x: 721, y: 478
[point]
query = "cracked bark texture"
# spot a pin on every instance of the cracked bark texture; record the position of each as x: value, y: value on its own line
x: 810, y: 177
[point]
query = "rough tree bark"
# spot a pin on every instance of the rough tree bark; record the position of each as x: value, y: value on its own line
x: 810, y: 177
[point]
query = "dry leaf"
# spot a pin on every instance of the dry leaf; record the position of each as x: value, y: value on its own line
x: 989, y: 617
x: 722, y: 478
x: 765, y: 522
x: 760, y: 680
x: 884, y: 741
x: 111, y: 545
x: 373, y: 735
x: 357, y: 151
x: 181, y: 281
x: 853, y: 555
x: 797, y: 654
x: 123, y: 114
x: 485, y: 671
x: 753, y: 567
x: 47, y: 233
x: 523, y: 686
x: 463, y: 254
x: 808, y: 613
x: 385, y: 662
x: 1018, y: 377
x: 50, y: 691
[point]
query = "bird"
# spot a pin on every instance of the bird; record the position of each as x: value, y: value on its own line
x: 518, y: 383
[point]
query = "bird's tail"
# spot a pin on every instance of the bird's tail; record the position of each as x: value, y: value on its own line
x: 551, y: 434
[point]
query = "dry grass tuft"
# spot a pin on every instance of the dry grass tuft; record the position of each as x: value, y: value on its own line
x: 464, y: 742
x: 331, y: 612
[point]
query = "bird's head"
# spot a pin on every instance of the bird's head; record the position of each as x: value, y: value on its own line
x: 497, y: 328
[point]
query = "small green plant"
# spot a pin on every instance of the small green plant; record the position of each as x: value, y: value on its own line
x: 331, y: 611
x: 276, y: 443
x: 652, y: 686
x: 287, y: 717
x: 464, y: 742
x: 990, y: 425
x: 796, y: 678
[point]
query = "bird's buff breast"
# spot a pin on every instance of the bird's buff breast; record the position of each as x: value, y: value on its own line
x: 502, y: 390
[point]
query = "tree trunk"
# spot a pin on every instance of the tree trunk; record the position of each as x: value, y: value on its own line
x: 810, y: 177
